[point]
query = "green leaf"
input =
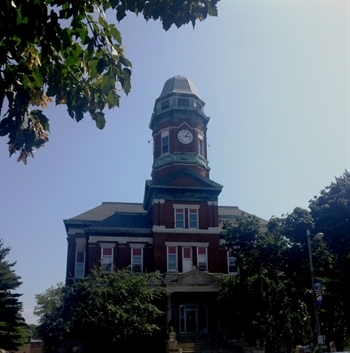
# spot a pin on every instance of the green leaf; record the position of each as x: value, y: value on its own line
x: 113, y: 99
x: 124, y: 61
x: 115, y: 33
x: 108, y: 83
x: 212, y: 10
x: 127, y: 82
x: 38, y: 79
x: 100, y: 120
x: 114, y: 3
x: 92, y: 68
x: 101, y: 64
x: 66, y: 37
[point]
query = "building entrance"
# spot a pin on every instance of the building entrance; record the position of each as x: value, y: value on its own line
x: 188, y: 318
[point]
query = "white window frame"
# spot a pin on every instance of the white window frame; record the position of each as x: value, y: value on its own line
x: 176, y: 259
x: 183, y: 217
x: 185, y: 210
x: 136, y: 267
x: 200, y: 263
x: 229, y: 256
x: 200, y: 144
x: 81, y: 270
x: 111, y: 263
x: 164, y: 134
x: 190, y: 211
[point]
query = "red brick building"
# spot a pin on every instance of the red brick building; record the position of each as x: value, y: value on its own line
x: 176, y: 230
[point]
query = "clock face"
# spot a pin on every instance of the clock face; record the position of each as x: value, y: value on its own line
x: 185, y: 136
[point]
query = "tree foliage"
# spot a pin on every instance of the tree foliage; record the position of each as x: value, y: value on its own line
x: 328, y: 213
x: 12, y: 326
x: 331, y: 213
x: 99, y: 311
x: 53, y: 328
x: 262, y: 302
x: 66, y: 52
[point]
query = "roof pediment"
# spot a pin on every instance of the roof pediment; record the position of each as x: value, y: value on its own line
x: 184, y: 184
x: 187, y: 177
x: 194, y: 280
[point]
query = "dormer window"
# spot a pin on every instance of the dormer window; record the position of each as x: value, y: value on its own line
x: 183, y: 102
x: 165, y: 141
x: 165, y: 104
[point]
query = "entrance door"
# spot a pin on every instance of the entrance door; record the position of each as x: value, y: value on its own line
x: 188, y: 318
x: 187, y: 262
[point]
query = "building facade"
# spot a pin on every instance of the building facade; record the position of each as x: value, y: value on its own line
x: 176, y: 230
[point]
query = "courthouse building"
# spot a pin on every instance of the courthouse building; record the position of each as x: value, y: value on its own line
x: 176, y: 230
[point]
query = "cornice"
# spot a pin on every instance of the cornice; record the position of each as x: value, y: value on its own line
x: 180, y: 158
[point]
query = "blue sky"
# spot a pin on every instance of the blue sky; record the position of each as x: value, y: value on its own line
x: 275, y: 79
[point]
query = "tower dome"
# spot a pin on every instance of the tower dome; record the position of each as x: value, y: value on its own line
x: 178, y: 84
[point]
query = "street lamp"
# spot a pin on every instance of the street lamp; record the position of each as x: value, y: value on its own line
x: 318, y: 236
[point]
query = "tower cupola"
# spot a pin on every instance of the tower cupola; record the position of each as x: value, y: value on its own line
x: 179, y: 129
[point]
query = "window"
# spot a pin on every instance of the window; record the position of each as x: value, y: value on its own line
x: 231, y: 260
x: 172, y: 258
x: 136, y: 260
x: 192, y: 218
x: 183, y: 102
x: 165, y: 104
x: 165, y: 141
x: 202, y: 258
x: 79, y: 264
x: 186, y: 216
x: 200, y: 144
x: 107, y: 259
x: 179, y: 218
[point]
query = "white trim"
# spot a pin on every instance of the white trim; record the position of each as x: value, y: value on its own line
x: 120, y: 239
x: 137, y: 246
x: 107, y: 245
x: 72, y: 231
x: 212, y: 203
x: 162, y: 229
x: 186, y: 244
x: 192, y: 207
x: 158, y: 201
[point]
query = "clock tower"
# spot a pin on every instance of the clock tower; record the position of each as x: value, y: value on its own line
x: 180, y: 170
x: 179, y: 127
